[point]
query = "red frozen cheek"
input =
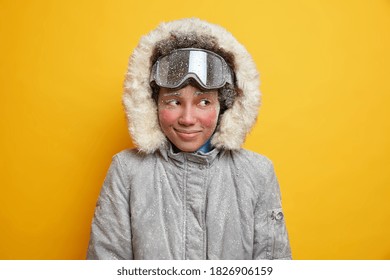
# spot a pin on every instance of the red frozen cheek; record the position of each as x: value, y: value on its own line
x: 166, y: 116
x: 209, y: 118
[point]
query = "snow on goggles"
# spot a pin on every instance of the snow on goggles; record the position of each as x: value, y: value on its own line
x: 208, y: 69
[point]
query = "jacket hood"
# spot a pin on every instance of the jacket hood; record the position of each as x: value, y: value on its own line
x: 141, y: 109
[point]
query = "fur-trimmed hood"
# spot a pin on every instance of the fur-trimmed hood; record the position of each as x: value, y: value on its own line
x: 141, y: 109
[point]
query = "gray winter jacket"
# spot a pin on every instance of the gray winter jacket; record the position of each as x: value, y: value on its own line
x: 219, y: 205
x: 157, y: 204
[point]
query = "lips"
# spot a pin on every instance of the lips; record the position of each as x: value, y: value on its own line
x: 187, y: 134
x: 187, y: 131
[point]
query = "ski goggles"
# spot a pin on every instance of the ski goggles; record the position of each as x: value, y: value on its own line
x: 208, y: 69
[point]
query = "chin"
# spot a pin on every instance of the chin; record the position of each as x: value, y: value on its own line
x: 188, y: 148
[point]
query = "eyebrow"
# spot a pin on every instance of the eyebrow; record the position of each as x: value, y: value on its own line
x: 175, y: 93
x: 197, y: 93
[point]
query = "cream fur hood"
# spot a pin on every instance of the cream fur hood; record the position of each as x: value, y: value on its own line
x: 141, y: 109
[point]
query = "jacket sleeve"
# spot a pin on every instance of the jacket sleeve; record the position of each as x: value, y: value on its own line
x: 271, y: 239
x: 111, y: 231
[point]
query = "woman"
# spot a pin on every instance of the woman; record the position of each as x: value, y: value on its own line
x: 189, y: 191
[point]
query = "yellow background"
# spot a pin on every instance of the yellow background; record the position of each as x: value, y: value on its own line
x: 324, y: 121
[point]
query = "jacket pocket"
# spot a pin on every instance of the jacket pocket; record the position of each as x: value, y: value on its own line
x: 278, y: 245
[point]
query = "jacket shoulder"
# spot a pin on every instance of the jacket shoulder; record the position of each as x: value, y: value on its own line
x: 131, y: 156
x: 131, y: 160
x: 257, y: 168
x: 252, y: 159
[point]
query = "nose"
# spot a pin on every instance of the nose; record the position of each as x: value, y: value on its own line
x: 187, y: 117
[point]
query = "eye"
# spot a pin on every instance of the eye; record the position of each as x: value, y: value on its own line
x: 204, y: 102
x: 172, y: 102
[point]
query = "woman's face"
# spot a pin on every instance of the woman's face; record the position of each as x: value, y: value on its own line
x: 188, y: 116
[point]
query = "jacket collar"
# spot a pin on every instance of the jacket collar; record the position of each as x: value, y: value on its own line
x: 198, y: 157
